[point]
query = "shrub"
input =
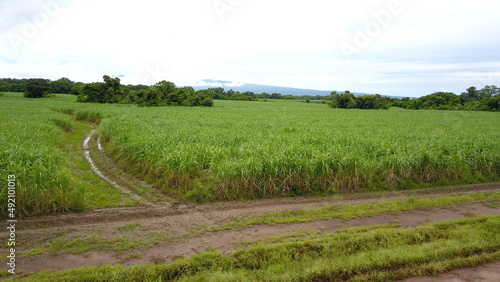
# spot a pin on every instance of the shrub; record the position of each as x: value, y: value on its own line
x: 37, y: 88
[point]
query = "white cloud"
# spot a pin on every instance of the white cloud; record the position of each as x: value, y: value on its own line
x: 287, y: 43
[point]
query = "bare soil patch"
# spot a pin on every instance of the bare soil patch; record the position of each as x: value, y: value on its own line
x: 486, y: 273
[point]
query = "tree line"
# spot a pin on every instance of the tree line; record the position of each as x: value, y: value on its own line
x: 347, y: 100
x: 163, y: 93
x: 130, y: 92
x: 166, y: 93
x: 220, y: 93
x: 63, y: 85
x: 473, y: 99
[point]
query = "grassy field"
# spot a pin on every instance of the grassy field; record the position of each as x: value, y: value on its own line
x: 41, y: 146
x: 242, y: 150
x: 238, y: 150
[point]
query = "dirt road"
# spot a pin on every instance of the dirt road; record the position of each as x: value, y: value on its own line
x: 175, y: 227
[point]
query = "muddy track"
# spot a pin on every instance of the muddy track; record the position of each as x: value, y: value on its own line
x: 88, y: 156
x: 225, y: 241
x: 231, y: 210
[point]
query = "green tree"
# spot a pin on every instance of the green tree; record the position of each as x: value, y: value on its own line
x: 219, y: 90
x: 489, y: 91
x: 63, y: 85
x: 109, y: 91
x: 113, y: 93
x: 347, y: 100
x: 471, y: 95
x: 165, y: 88
x: 264, y: 95
x: 275, y: 96
x: 165, y: 93
x: 37, y: 88
x: 249, y: 94
x: 230, y: 93
x: 92, y: 93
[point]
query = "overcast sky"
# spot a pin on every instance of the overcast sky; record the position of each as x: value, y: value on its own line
x: 393, y: 47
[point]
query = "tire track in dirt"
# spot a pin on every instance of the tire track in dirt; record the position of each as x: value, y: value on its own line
x: 87, y: 149
x: 190, y: 213
x: 226, y: 241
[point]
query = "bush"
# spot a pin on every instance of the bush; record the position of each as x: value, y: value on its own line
x: 37, y: 88
x: 208, y: 102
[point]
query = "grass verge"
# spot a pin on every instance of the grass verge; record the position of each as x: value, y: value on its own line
x: 380, y: 254
x: 347, y: 212
x: 126, y: 238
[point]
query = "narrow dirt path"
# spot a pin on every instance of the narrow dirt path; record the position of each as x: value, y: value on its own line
x: 87, y: 151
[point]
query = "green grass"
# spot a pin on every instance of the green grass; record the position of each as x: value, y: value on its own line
x: 348, y: 212
x: 32, y: 145
x: 41, y: 146
x: 65, y: 110
x: 312, y: 234
x: 239, y: 150
x: 71, y: 244
x: 64, y: 122
x: 384, y: 253
x: 96, y: 243
x: 129, y: 227
x: 92, y: 116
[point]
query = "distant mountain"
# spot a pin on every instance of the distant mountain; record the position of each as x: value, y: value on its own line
x: 258, y: 88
